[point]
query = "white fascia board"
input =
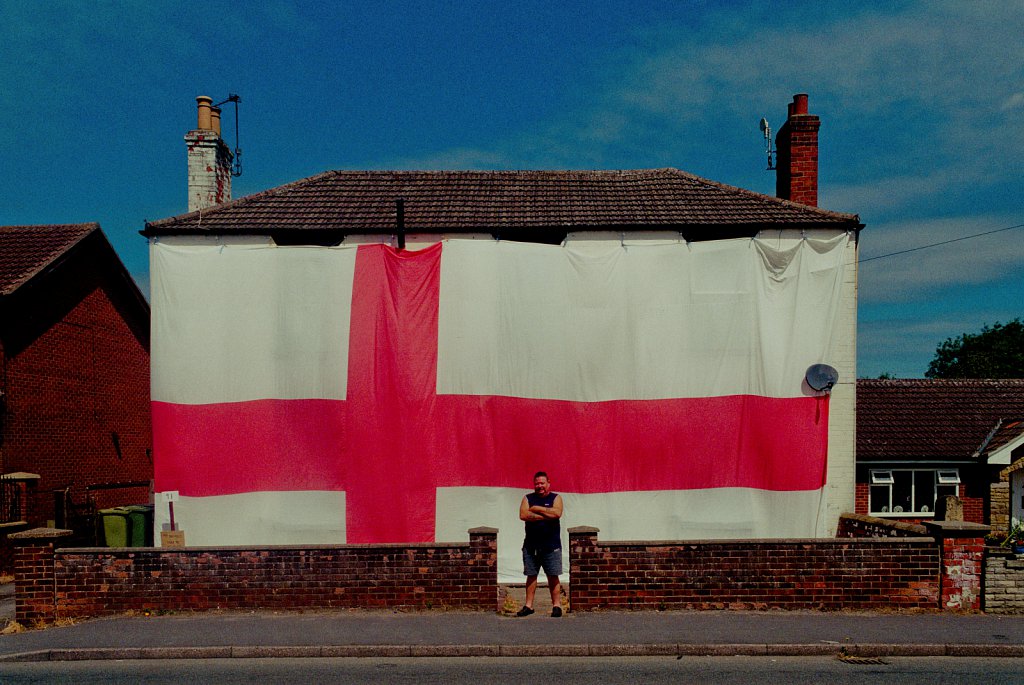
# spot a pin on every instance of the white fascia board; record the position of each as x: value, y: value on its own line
x: 1004, y: 454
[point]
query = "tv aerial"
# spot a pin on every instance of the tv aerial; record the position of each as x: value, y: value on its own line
x: 767, y: 131
x: 821, y: 377
x: 236, y: 169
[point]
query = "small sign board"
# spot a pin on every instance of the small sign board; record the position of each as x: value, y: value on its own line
x: 168, y: 496
x: 172, y: 538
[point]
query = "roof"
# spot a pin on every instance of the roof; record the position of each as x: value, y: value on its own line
x: 922, y: 420
x: 496, y: 201
x: 27, y: 250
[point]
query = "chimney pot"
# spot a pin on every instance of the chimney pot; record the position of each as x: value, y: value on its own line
x: 799, y: 104
x: 204, y: 103
x: 215, y: 120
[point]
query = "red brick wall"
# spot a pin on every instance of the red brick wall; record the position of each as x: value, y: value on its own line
x: 974, y: 507
x: 796, y: 175
x: 757, y: 574
x: 962, y: 569
x: 82, y: 377
x: 860, y: 497
x: 97, y: 582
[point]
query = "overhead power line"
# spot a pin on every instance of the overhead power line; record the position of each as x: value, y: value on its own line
x: 944, y: 242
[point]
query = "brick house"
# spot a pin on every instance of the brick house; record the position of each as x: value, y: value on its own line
x: 418, y: 209
x: 920, y: 439
x: 74, y: 369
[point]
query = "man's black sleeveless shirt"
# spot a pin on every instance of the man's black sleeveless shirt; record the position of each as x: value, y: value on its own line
x: 546, y: 535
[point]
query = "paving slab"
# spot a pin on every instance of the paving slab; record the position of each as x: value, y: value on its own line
x: 369, y: 633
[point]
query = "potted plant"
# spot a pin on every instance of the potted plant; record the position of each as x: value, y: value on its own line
x: 1015, y: 538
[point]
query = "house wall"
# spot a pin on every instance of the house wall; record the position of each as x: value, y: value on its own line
x: 842, y: 430
x: 842, y: 443
x: 76, y: 376
x: 974, y: 507
x: 838, y: 493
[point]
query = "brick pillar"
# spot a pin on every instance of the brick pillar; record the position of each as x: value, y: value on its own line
x: 582, y: 564
x: 999, y: 507
x: 962, y: 564
x: 483, y: 546
x: 34, y: 585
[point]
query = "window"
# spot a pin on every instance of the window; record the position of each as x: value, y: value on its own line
x: 910, y: 491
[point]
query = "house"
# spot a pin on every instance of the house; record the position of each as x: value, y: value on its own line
x: 74, y: 372
x: 918, y: 440
x: 375, y: 356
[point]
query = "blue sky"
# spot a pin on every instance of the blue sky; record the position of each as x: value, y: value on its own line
x: 922, y: 108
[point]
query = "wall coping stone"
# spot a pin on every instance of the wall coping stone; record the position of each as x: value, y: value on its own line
x: 772, y: 541
x: 20, y: 476
x: 583, y: 530
x: 28, y: 536
x: 888, y: 523
x: 957, y: 529
x: 482, y: 530
x: 999, y: 551
x: 263, y: 548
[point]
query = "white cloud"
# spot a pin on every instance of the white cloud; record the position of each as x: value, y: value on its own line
x: 1015, y: 101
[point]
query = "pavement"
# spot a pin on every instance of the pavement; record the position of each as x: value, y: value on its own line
x: 455, y: 633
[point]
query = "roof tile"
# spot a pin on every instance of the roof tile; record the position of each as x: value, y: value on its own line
x: 935, y: 419
x: 491, y: 201
x: 27, y: 250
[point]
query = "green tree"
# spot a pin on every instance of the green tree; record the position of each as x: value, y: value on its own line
x: 996, y: 352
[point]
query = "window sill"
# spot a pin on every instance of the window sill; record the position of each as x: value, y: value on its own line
x: 903, y: 514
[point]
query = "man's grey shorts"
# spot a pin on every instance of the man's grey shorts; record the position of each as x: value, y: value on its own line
x: 550, y: 561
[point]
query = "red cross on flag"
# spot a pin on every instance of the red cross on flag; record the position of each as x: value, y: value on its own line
x: 362, y: 394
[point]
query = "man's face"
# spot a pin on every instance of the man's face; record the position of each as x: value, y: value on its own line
x: 541, y: 485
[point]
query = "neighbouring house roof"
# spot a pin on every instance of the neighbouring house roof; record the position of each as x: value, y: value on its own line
x: 500, y: 202
x: 27, y: 250
x: 935, y: 420
x: 37, y: 264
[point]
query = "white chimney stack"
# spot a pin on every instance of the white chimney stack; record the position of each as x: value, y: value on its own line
x: 209, y: 159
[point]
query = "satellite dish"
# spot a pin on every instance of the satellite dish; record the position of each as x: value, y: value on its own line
x: 822, y: 377
x: 764, y: 125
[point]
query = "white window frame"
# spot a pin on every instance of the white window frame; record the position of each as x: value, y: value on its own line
x: 887, y: 478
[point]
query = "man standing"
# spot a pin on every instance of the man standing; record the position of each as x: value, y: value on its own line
x: 541, y: 510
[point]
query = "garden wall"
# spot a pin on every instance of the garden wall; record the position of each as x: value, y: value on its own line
x: 57, y: 583
x: 1004, y: 582
x: 867, y: 573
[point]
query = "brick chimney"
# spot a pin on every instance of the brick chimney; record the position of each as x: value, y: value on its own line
x: 796, y: 145
x: 209, y: 159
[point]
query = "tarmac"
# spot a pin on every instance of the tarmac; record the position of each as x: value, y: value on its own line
x: 363, y: 633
